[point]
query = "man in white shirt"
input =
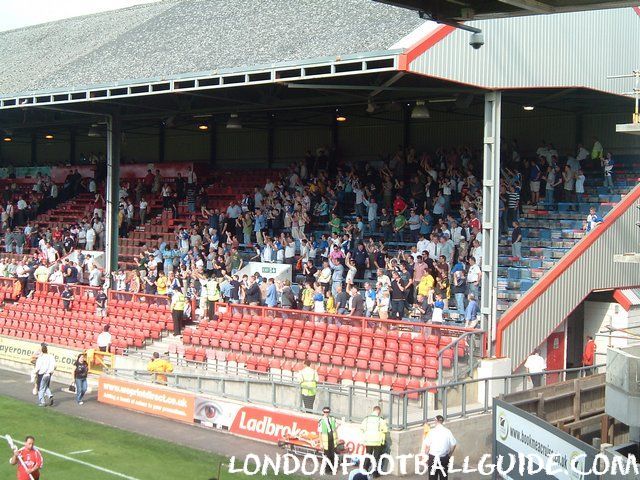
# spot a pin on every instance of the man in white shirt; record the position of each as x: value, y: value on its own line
x: 473, y: 278
x: 104, y: 339
x: 95, y: 276
x: 45, y: 365
x: 90, y: 238
x: 192, y: 178
x: 439, y: 444
x: 422, y: 244
x: 535, y: 365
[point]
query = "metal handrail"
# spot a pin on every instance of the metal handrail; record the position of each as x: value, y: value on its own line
x: 469, y: 337
x: 404, y: 409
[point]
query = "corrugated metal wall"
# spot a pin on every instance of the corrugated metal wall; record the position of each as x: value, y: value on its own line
x: 141, y: 145
x: 238, y: 148
x: 593, y: 270
x: 603, y: 127
x: 184, y: 146
x: 291, y: 143
x: 52, y: 152
x: 541, y: 50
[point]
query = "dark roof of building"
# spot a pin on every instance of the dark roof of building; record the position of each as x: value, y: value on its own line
x: 174, y: 37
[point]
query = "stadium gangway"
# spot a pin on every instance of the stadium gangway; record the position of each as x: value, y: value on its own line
x: 403, y: 409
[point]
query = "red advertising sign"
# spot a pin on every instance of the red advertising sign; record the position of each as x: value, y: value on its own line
x: 270, y: 426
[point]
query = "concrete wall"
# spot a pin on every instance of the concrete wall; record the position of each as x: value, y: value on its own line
x: 600, y: 316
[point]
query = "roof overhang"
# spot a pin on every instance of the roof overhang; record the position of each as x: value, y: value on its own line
x: 484, y: 9
x: 372, y: 62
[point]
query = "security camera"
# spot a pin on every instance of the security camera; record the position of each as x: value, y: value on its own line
x: 477, y: 40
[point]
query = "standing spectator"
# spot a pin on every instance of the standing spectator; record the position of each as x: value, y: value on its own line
x: 607, y: 165
x: 45, y: 366
x: 513, y: 203
x: 398, y: 296
x: 569, y: 181
x: 104, y: 339
x: 374, y: 429
x: 580, y: 179
x: 534, y: 184
x: 80, y: 377
x: 473, y: 277
x: 589, y: 355
x: 143, y: 205
x: 271, y: 299
x: 535, y: 365
x: 308, y: 380
x: 439, y: 444
x: 459, y: 290
x: 516, y: 241
x: 356, y: 303
x: 471, y: 312
x: 101, y: 304
x: 67, y: 298
x: 550, y: 187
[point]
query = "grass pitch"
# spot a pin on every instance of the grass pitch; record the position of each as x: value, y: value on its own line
x: 126, y: 455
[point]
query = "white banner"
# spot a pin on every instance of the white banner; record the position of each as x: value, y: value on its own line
x: 523, y: 436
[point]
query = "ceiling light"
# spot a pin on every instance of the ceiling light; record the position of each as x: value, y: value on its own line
x: 420, y: 111
x: 234, y: 122
x: 203, y: 126
x: 528, y: 108
x: 7, y: 138
x: 340, y: 116
x: 49, y: 136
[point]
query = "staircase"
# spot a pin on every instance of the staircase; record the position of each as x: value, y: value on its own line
x: 563, y: 264
x: 549, y: 235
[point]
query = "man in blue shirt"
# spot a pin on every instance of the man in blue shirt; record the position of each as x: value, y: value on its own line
x: 259, y: 226
x: 272, y: 294
x: 471, y: 313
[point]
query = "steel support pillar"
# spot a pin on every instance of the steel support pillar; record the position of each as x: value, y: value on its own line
x: 490, y: 214
x: 114, y: 136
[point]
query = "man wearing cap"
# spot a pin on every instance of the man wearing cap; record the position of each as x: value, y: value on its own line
x: 328, y: 431
x: 439, y: 444
x: 374, y: 429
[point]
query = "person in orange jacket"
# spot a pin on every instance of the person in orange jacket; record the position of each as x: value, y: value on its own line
x: 589, y: 355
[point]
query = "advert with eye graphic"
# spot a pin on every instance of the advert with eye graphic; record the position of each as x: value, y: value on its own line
x: 214, y: 413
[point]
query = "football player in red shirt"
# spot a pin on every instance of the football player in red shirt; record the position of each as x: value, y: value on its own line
x: 31, y: 459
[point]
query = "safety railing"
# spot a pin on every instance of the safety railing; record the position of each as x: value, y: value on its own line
x: 473, y: 351
x: 136, y: 298
x: 402, y: 409
x: 79, y: 290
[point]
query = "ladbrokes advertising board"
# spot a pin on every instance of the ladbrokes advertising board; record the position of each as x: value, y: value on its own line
x: 269, y: 425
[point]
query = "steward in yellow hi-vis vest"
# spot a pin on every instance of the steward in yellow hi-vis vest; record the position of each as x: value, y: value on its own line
x: 374, y: 429
x: 308, y: 379
x: 178, y: 304
x: 327, y: 428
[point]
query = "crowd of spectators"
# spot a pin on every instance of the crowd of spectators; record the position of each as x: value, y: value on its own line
x: 399, y: 238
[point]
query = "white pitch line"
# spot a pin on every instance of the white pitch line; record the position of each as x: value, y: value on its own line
x: 80, y: 451
x: 86, y: 464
